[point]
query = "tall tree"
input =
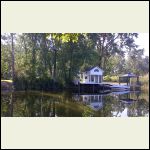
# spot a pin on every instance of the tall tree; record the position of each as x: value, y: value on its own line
x: 108, y: 44
x: 13, y: 57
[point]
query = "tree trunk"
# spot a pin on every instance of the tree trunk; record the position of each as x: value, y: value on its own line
x: 13, y: 59
x: 54, y: 75
x: 71, y: 60
x: 33, y: 56
x: 44, y: 50
x: 54, y: 70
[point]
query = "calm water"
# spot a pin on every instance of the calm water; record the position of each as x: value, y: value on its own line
x: 38, y: 104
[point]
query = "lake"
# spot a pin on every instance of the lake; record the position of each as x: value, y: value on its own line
x: 67, y: 104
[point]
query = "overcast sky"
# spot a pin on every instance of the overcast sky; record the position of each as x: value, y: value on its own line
x: 143, y: 42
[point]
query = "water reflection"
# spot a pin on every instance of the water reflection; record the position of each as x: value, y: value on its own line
x: 93, y: 101
x: 116, y: 104
x: 66, y: 104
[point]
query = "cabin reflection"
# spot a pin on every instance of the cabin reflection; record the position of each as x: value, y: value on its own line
x: 93, y: 101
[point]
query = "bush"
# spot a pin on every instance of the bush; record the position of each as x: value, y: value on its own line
x: 107, y: 78
x: 114, y: 78
x: 46, y: 84
x: 111, y: 78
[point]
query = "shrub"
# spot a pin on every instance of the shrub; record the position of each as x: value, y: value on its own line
x: 45, y: 83
x: 107, y: 78
x: 114, y: 78
x: 111, y: 78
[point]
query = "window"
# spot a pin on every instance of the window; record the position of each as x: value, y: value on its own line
x: 96, y: 70
x: 85, y: 77
x: 100, y: 79
x: 96, y: 78
x: 92, y: 78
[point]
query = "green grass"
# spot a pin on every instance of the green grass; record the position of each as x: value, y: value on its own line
x: 145, y: 82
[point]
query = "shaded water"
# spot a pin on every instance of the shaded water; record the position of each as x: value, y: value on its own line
x: 66, y: 104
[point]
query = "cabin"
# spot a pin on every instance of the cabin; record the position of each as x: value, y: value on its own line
x: 92, y: 75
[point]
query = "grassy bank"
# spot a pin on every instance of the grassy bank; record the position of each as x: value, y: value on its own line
x: 145, y: 82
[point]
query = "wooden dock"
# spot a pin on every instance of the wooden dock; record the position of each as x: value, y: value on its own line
x: 104, y: 88
x: 92, y: 88
x: 133, y: 87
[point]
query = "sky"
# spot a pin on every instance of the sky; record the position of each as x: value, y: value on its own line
x: 143, y: 42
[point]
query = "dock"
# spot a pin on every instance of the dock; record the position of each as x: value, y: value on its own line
x: 129, y: 87
x: 104, y: 88
x: 92, y: 88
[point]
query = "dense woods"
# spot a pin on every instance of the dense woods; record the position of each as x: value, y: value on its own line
x: 52, y: 60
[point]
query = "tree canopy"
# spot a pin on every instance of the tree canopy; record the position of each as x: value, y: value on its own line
x: 60, y: 56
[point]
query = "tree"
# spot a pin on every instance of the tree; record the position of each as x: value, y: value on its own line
x: 13, y: 59
x: 116, y: 65
x: 41, y: 58
x: 108, y: 44
x: 6, y: 56
x: 134, y: 62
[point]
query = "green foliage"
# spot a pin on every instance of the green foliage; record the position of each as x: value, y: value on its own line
x: 114, y: 78
x: 6, y: 62
x: 58, y: 57
x: 44, y: 83
x: 66, y: 37
x: 111, y: 78
x: 136, y: 63
x: 107, y: 78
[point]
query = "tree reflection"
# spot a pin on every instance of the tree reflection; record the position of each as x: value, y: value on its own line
x: 31, y: 104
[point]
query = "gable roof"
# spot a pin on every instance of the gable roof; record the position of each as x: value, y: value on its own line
x: 90, y: 68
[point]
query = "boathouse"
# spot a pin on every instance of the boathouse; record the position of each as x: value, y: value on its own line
x: 92, y: 75
x: 127, y: 77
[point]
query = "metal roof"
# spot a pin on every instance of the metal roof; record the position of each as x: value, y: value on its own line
x: 129, y: 75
